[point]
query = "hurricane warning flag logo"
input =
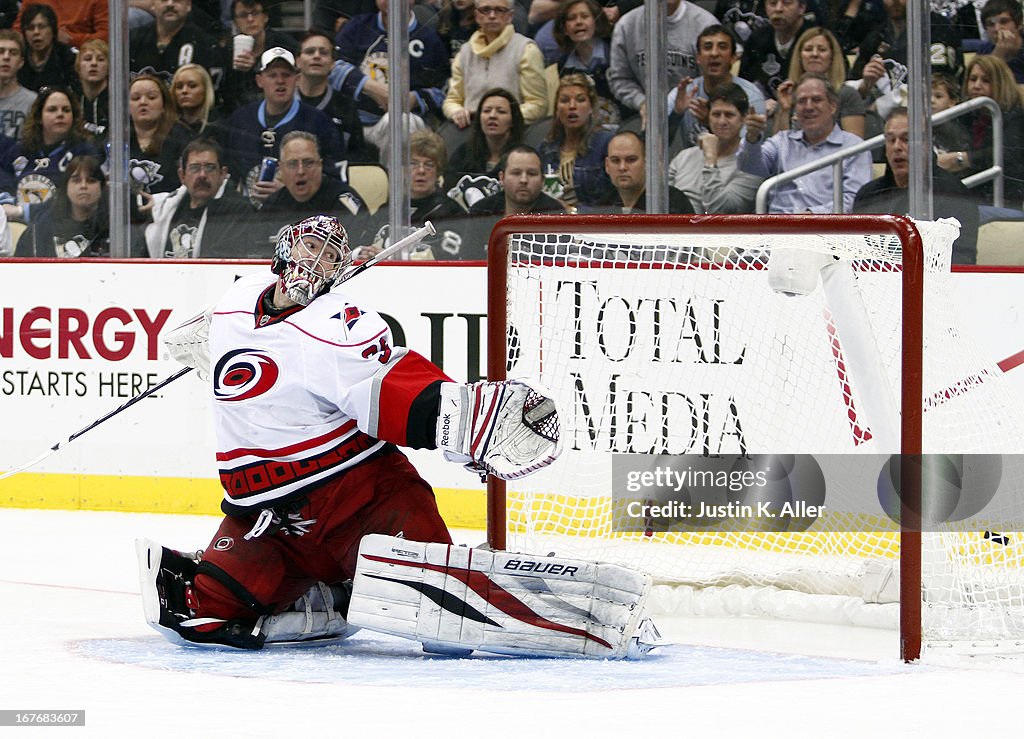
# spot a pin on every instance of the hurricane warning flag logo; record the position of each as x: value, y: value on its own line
x: 352, y: 314
x: 243, y: 374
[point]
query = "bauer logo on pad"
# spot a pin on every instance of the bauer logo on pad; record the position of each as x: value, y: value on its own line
x: 541, y: 568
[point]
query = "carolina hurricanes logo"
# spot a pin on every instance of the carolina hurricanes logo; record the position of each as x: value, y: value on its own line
x: 244, y: 374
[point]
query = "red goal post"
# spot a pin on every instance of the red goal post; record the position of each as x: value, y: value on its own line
x: 777, y: 228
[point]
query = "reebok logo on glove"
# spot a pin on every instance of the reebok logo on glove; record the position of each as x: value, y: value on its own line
x: 446, y: 429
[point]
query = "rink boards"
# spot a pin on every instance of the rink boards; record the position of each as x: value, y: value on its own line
x: 77, y: 340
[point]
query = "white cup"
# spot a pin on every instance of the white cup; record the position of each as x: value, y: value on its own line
x: 242, y: 43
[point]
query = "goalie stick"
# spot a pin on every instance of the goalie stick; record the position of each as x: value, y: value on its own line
x: 413, y: 238
x: 124, y: 406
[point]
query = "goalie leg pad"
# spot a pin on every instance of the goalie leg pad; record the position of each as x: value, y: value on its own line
x: 456, y: 598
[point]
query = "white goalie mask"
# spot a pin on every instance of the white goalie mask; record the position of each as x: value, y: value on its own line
x: 311, y: 255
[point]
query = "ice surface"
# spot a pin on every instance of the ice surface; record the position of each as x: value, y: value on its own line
x: 73, y: 638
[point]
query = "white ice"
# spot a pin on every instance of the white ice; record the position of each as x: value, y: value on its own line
x: 73, y: 638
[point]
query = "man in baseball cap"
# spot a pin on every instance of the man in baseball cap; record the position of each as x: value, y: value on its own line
x: 277, y: 78
x: 255, y: 130
x: 277, y: 54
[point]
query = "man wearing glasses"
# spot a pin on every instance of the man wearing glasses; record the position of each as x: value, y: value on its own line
x: 315, y: 61
x: 251, y: 19
x: 307, y: 192
x: 496, y: 56
x: 203, y: 217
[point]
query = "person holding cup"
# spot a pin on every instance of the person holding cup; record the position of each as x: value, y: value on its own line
x: 242, y: 46
x: 253, y: 36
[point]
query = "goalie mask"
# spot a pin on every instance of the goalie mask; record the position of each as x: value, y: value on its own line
x: 311, y: 255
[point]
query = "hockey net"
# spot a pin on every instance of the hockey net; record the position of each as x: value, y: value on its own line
x: 662, y: 335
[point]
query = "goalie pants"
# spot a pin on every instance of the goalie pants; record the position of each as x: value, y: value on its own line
x: 384, y: 495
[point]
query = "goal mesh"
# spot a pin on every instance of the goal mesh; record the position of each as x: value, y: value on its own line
x: 685, y: 342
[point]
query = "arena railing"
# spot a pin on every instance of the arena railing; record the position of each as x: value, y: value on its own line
x: 835, y: 160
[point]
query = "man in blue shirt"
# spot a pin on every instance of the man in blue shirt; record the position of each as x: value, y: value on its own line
x: 818, y: 136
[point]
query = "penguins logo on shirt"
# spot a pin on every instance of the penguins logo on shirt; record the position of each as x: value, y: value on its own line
x: 35, y: 188
x: 375, y: 62
x: 350, y: 201
x: 243, y: 374
x: 70, y: 247
x: 183, y: 242
x: 771, y: 67
x: 144, y: 173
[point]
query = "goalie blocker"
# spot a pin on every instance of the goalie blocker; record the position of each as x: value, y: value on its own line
x: 451, y: 599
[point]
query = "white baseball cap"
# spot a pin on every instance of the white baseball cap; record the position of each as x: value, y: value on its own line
x: 271, y: 55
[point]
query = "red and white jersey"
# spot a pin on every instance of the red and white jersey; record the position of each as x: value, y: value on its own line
x: 302, y: 396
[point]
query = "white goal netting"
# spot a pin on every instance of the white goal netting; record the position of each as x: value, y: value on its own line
x: 745, y: 344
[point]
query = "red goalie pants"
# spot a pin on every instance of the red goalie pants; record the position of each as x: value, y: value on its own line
x: 384, y: 495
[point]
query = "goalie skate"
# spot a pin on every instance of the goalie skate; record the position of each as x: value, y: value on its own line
x: 647, y: 637
x: 165, y: 580
x: 168, y: 602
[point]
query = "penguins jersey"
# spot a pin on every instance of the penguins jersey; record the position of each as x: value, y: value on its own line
x: 302, y: 396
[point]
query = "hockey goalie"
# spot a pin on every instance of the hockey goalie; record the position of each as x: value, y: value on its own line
x: 328, y: 527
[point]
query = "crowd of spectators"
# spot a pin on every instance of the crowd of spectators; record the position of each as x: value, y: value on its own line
x: 238, y: 126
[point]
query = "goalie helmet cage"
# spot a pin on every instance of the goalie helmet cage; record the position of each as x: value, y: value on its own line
x: 543, y: 270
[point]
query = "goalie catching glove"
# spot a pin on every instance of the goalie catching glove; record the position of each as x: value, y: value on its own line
x: 189, y: 343
x: 508, y: 429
